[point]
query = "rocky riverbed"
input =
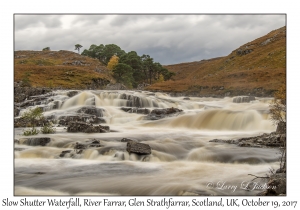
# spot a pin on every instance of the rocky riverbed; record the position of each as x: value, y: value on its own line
x: 119, y: 136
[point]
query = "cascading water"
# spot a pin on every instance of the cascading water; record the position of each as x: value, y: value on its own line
x: 182, y: 158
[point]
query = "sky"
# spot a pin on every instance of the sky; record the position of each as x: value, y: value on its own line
x: 169, y: 39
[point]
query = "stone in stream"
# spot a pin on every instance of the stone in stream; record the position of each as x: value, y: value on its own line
x: 91, y: 110
x: 38, y: 141
x: 157, y: 114
x: 74, y: 127
x: 243, y: 99
x: 127, y: 140
x: 136, y: 110
x: 138, y: 148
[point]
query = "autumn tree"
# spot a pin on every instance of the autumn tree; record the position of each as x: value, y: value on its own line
x: 77, y: 47
x: 114, y: 60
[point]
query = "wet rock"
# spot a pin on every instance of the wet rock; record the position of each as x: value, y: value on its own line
x: 23, y: 122
x: 266, y: 140
x: 16, y: 111
x: 127, y: 140
x: 72, y: 93
x: 63, y: 153
x: 157, y: 114
x: 16, y: 141
x: 136, y: 110
x: 86, y: 128
x: 243, y: 99
x: 64, y: 120
x: 21, y: 93
x: 186, y: 98
x: 138, y: 148
x: 38, y: 141
x: 91, y: 110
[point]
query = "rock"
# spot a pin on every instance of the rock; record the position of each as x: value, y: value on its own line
x: 266, y: 140
x: 142, y: 86
x: 157, y: 114
x: 275, y: 186
x: 138, y: 148
x: 63, y: 153
x: 86, y: 128
x: 136, y: 110
x: 117, y: 86
x: 72, y: 93
x: 91, y: 110
x: 128, y: 140
x: 186, y: 98
x: 21, y: 93
x: 22, y: 122
x: 64, y: 120
x: 281, y: 127
x: 242, y: 52
x: 243, y: 99
x: 38, y: 141
x: 132, y: 101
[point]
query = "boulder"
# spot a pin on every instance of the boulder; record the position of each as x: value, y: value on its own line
x: 187, y: 98
x: 38, y: 141
x: 64, y: 120
x: 275, y: 186
x: 243, y: 99
x: 138, y: 148
x: 157, y: 114
x: 91, y: 110
x: 86, y: 128
x: 72, y: 93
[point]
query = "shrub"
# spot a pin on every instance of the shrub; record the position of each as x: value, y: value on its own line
x: 48, y: 129
x: 29, y: 132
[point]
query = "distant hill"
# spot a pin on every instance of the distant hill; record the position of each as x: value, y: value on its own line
x: 62, y: 69
x: 257, y: 67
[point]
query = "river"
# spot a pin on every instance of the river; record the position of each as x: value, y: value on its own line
x: 182, y: 162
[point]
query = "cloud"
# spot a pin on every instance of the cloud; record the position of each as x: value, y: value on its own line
x: 168, y: 39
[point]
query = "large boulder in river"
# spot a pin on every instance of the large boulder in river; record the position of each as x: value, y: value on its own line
x: 138, y: 148
x: 243, y: 99
x: 157, y: 114
x: 64, y: 120
x: 91, y: 110
x: 74, y: 127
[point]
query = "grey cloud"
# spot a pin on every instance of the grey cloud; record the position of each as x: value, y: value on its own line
x: 167, y: 38
x: 27, y: 21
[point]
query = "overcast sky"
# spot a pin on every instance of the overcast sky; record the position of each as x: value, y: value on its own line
x: 169, y: 39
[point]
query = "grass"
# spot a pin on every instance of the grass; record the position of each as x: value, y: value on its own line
x: 56, y: 69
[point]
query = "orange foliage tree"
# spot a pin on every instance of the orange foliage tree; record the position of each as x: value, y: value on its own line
x: 114, y: 60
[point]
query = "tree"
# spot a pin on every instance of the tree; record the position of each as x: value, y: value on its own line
x: 123, y: 73
x: 113, y: 62
x: 46, y: 49
x: 77, y: 47
x: 278, y: 116
x: 278, y: 106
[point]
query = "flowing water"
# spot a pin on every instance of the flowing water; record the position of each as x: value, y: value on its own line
x: 182, y: 159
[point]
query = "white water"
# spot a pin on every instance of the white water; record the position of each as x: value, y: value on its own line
x: 182, y: 157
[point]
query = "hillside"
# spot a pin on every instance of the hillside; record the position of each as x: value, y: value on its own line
x: 59, y: 69
x: 257, y: 67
